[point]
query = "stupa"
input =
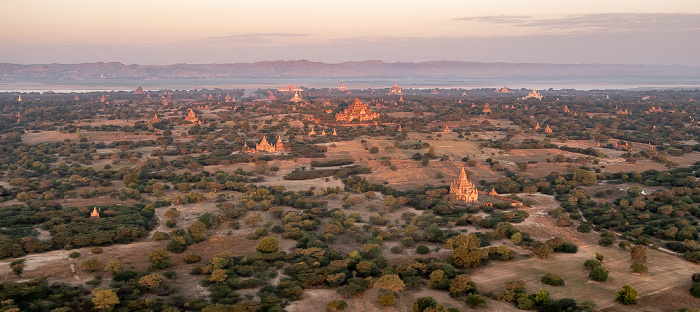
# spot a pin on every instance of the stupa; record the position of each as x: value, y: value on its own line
x: 463, y: 189
x: 139, y: 90
x: 547, y: 129
x: 95, y: 213
x: 342, y: 86
x: 487, y: 109
x: 533, y: 94
x: 296, y: 98
x: 395, y: 89
x: 155, y: 119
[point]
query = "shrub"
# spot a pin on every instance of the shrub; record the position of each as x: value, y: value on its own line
x: 91, y: 265
x: 336, y: 305
x: 474, y: 300
x: 626, y: 295
x: 551, y: 279
x: 268, y: 245
x: 386, y: 298
x: 590, y: 264
x: 599, y: 274
x: 695, y: 290
x: 192, y: 258
x: 96, y: 250
x: 639, y: 267
x: 422, y: 249
x: 158, y: 235
x: 74, y: 255
x: 423, y: 303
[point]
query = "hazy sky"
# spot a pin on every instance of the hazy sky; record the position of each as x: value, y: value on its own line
x: 210, y: 31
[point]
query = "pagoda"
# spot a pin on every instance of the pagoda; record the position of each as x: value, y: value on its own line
x: 191, y: 117
x: 533, y: 94
x: 537, y: 127
x: 312, y: 132
x: 446, y: 130
x: 487, y: 109
x: 566, y: 109
x: 547, y: 129
x: 76, y: 98
x: 493, y: 193
x: 227, y: 98
x: 296, y: 98
x: 356, y: 110
x: 395, y: 89
x: 502, y: 90
x: 334, y: 133
x: 155, y: 119
x: 463, y: 189
x: 95, y: 214
x: 342, y: 86
x: 401, y: 98
x: 264, y: 146
x: 103, y: 99
x: 399, y: 129
x: 139, y: 90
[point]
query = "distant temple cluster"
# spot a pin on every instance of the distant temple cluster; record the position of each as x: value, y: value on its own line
x: 356, y: 110
x: 265, y: 147
x: 463, y: 189
x: 503, y: 90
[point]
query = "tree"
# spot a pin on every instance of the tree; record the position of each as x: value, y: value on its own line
x: 638, y: 253
x: 626, y: 295
x: 268, y: 244
x: 438, y: 280
x: 159, y: 259
x: 391, y: 282
x: 599, y: 256
x: 584, y: 177
x: 599, y: 274
x: 91, y: 265
x: 422, y: 303
x: 104, y: 299
x: 460, y: 285
x: 114, y: 267
x: 336, y: 306
x: 542, y: 297
x: 474, y: 300
x: 638, y: 267
x: 151, y: 280
x: 17, y: 266
x: 552, y: 279
x: 386, y: 298
x: 198, y: 231
x: 218, y: 275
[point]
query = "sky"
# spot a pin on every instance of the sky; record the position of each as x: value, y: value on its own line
x: 220, y: 31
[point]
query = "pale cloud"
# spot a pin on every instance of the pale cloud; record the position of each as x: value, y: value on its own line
x: 598, y: 22
x: 255, y: 38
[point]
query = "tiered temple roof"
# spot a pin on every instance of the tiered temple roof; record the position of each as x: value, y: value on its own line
x: 356, y: 110
x: 463, y: 189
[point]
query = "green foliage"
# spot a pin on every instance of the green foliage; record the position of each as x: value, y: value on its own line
x: 639, y: 267
x: 159, y: 259
x: 552, y: 279
x: 598, y: 274
x: 695, y: 289
x: 336, y: 306
x: 192, y: 258
x: 422, y: 249
x: 386, y: 298
x: 74, y: 255
x: 104, y: 299
x: 91, y: 265
x: 626, y: 295
x: 474, y: 300
x: 268, y: 244
x: 422, y: 303
x: 17, y: 266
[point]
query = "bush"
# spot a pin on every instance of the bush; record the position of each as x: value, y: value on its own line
x: 422, y: 249
x: 591, y: 264
x: 423, y: 303
x: 74, y: 255
x: 695, y: 290
x: 598, y: 274
x: 96, y: 250
x: 551, y: 279
x: 268, y: 244
x: 192, y: 258
x: 474, y: 300
x: 158, y: 235
x: 91, y: 265
x: 336, y: 305
x: 386, y: 298
x: 639, y: 267
x: 626, y: 295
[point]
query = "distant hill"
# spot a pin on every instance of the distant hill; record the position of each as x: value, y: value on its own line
x: 377, y: 69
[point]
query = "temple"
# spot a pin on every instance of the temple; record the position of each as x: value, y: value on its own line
x: 139, y: 90
x: 19, y: 99
x: 537, y: 127
x: 296, y: 98
x: 95, y: 213
x: 342, y: 86
x: 265, y: 147
x: 464, y: 190
x: 191, y: 117
x: 290, y: 88
x: 533, y: 95
x: 155, y: 119
x: 446, y: 130
x: 356, y: 110
x: 487, y: 109
x: 566, y: 109
x: 547, y: 129
x: 503, y: 90
x: 395, y: 89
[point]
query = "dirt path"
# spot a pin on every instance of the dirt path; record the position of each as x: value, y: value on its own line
x: 159, y: 217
